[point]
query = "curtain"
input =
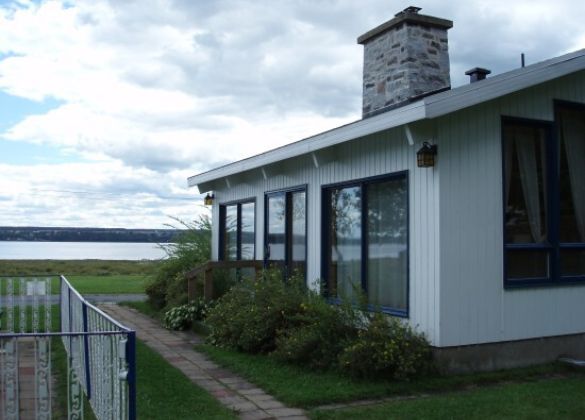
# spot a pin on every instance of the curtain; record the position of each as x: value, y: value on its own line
x: 526, y: 145
x: 573, y: 134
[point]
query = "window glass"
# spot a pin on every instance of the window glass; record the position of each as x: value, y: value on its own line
x: 345, y: 241
x: 387, y: 243
x: 231, y: 233
x: 527, y: 264
x: 237, y: 227
x: 276, y: 227
x: 298, y: 237
x: 572, y: 175
x: 247, y: 229
x: 572, y: 262
x: 525, y: 186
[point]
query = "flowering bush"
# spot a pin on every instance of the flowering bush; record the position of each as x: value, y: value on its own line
x: 297, y: 325
x: 317, y: 333
x: 182, y: 317
x: 250, y: 315
x: 386, y: 348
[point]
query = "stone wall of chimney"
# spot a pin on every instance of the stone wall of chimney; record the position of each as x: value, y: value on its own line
x: 404, y: 60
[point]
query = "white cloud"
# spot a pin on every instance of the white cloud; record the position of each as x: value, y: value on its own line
x: 152, y: 89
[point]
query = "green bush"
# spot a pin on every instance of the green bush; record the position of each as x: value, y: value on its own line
x: 386, y: 348
x: 192, y: 248
x: 182, y: 317
x: 317, y: 334
x: 250, y: 315
x: 297, y: 325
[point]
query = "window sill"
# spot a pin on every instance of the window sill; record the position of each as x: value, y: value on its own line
x: 544, y: 283
x: 373, y: 308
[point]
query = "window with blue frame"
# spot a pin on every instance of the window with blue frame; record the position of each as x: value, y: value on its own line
x: 365, y: 242
x: 285, y: 230
x: 237, y: 231
x: 544, y: 198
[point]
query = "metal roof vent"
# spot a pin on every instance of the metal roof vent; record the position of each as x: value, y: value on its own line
x: 476, y: 74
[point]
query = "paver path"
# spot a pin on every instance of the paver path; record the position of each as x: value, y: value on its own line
x: 229, y: 389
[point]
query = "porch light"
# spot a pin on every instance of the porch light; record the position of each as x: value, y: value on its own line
x: 425, y: 157
x: 208, y: 200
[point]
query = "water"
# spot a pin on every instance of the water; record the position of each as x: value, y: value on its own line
x: 22, y: 250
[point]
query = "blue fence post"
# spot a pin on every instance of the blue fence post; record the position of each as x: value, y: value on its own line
x: 131, y: 354
x: 86, y: 351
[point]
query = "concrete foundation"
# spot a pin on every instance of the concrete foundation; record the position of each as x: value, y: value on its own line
x: 508, y: 354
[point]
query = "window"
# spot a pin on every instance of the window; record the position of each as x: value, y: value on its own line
x: 544, y: 198
x: 365, y: 242
x: 286, y: 230
x: 237, y: 231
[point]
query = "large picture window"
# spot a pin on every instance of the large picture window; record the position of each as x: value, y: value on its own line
x: 237, y: 231
x: 365, y: 242
x: 286, y: 230
x: 544, y: 198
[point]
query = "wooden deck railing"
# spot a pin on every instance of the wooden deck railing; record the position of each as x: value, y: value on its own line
x: 205, y: 271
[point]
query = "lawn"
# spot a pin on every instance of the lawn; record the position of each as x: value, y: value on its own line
x: 301, y: 387
x: 113, y: 284
x: 557, y: 398
x: 77, y: 267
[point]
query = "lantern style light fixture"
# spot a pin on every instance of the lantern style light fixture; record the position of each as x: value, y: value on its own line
x: 208, y: 200
x: 425, y: 157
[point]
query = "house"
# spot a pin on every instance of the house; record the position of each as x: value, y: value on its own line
x: 481, y: 247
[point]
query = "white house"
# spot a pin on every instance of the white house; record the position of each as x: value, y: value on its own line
x: 484, y: 251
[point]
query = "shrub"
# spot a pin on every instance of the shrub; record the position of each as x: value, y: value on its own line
x: 192, y: 247
x: 182, y: 317
x: 317, y: 334
x: 386, y: 348
x: 250, y: 315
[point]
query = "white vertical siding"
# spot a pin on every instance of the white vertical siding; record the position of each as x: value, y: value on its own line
x: 475, y: 308
x: 383, y: 153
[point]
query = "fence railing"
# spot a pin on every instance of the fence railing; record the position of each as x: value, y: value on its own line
x: 100, y: 352
x: 204, y: 274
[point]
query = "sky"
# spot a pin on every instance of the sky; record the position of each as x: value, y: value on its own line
x: 106, y: 107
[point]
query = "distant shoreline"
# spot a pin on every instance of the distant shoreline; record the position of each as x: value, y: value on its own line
x: 72, y: 234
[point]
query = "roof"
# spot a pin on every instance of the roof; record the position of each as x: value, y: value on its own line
x: 429, y: 107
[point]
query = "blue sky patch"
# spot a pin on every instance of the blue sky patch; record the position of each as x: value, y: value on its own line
x: 14, y: 109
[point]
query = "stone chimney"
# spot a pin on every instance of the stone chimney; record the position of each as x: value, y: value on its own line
x: 404, y: 59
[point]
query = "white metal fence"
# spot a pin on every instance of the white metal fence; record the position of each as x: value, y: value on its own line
x: 100, y: 353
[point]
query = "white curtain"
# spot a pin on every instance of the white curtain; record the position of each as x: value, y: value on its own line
x: 573, y: 133
x: 526, y: 143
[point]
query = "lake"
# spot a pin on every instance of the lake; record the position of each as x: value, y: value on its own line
x: 22, y: 250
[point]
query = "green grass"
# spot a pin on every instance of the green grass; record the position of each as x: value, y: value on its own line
x: 145, y: 308
x: 114, y: 284
x: 165, y: 393
x: 77, y: 267
x: 546, y: 399
x: 302, y: 387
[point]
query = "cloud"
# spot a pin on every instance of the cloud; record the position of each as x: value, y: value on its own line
x: 152, y: 91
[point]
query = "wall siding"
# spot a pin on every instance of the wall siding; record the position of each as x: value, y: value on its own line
x: 475, y: 307
x: 378, y: 154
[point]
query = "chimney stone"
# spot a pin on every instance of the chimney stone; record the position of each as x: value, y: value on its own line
x: 404, y: 59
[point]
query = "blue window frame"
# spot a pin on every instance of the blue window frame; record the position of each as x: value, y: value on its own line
x: 365, y: 242
x: 544, y: 198
x: 237, y: 236
x: 285, y: 232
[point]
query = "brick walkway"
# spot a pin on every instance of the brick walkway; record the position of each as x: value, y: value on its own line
x: 229, y: 389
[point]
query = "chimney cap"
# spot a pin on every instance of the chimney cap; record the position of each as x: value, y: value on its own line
x: 477, y: 73
x: 409, y: 9
x: 408, y: 15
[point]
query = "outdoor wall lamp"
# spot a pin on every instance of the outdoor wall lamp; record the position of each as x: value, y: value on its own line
x: 425, y: 157
x: 208, y: 200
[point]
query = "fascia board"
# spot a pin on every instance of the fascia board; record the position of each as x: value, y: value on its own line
x: 406, y: 114
x: 498, y: 86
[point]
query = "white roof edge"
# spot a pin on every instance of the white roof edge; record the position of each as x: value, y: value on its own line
x: 429, y: 107
x: 512, y: 81
x: 403, y: 115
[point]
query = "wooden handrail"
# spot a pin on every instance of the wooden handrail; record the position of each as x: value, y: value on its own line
x: 207, y: 271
